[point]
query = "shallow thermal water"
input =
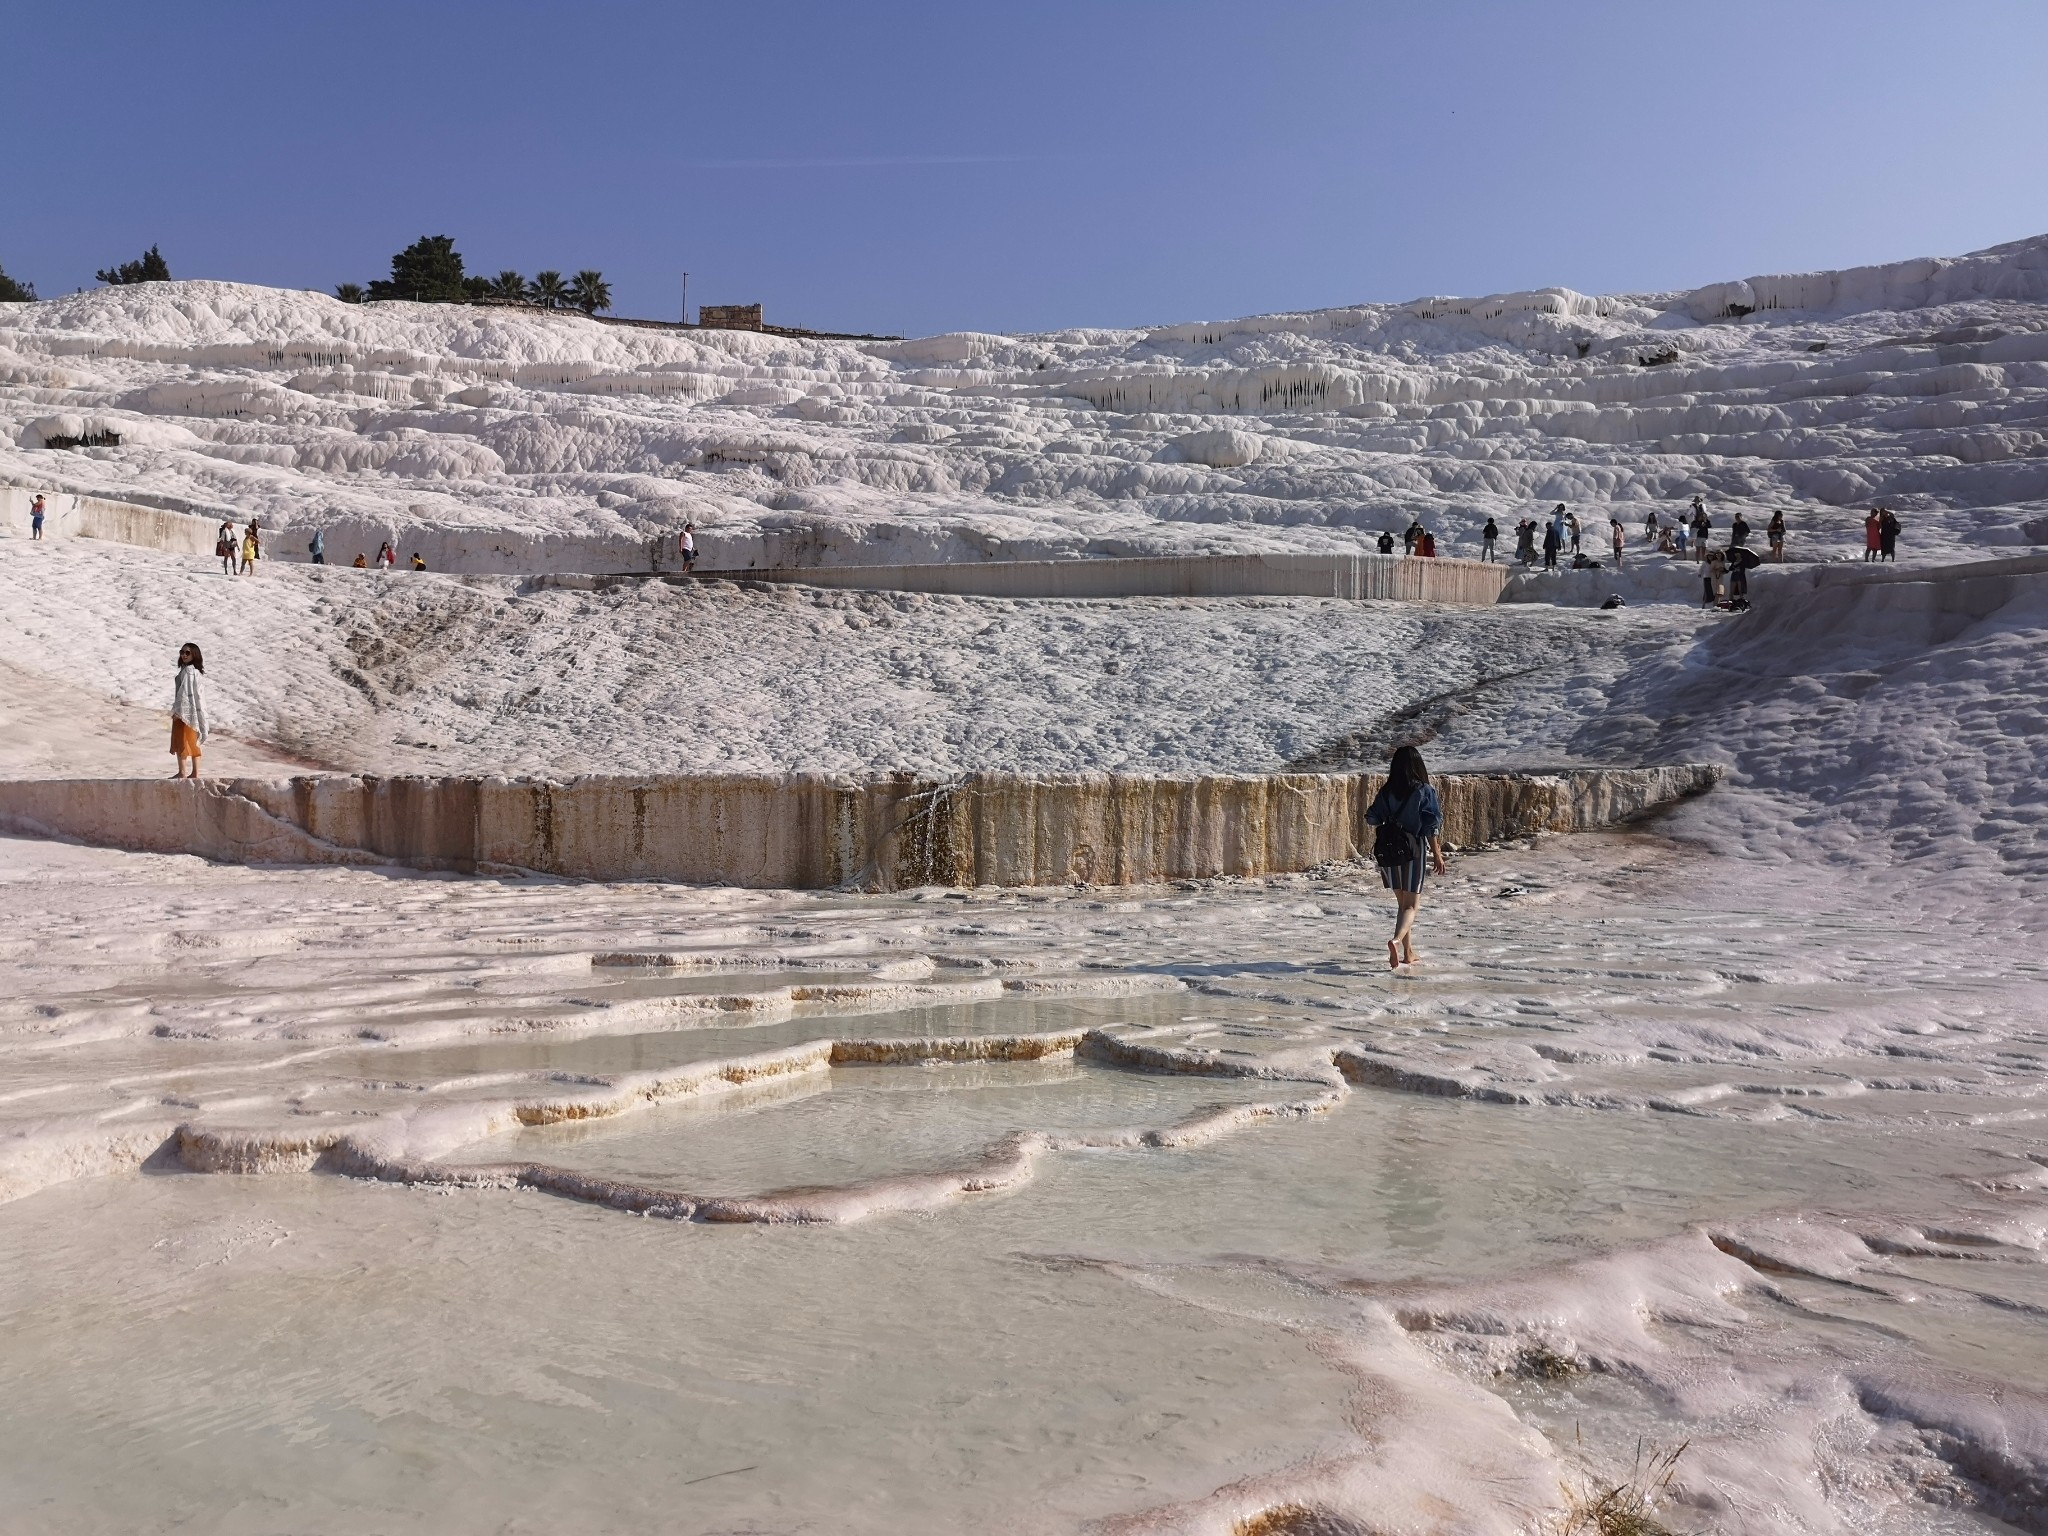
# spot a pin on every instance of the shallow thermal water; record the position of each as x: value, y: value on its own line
x: 858, y: 1122
x: 1644, y: 1151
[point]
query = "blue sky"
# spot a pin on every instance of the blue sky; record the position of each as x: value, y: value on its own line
x: 870, y: 165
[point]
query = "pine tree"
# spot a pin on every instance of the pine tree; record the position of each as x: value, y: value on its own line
x: 149, y: 268
x: 429, y: 270
x: 12, y: 292
x: 589, y: 292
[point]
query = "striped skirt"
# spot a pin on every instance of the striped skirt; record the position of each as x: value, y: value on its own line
x: 1406, y: 877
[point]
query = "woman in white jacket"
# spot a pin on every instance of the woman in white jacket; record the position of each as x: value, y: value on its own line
x: 188, y: 711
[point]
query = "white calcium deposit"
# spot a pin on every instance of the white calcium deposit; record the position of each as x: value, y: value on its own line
x: 339, y: 1199
x: 506, y: 440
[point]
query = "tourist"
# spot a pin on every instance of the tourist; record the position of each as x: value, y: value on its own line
x: 1683, y: 536
x: 387, y: 557
x: 1702, y: 528
x: 1412, y: 537
x: 361, y: 562
x: 418, y: 562
x: 35, y: 518
x: 1738, y: 531
x: 252, y: 549
x: 1775, y: 532
x: 225, y: 545
x: 1386, y: 544
x: 1525, y: 542
x: 1740, y: 560
x: 1888, y: 536
x: 1872, y: 534
x: 1426, y: 545
x: 1557, y: 522
x: 188, y: 711
x: 1571, y: 522
x: 1553, y: 539
x: 1650, y: 528
x: 317, y: 547
x: 1409, y: 820
x: 688, y: 545
x: 1614, y: 528
x: 1489, y: 536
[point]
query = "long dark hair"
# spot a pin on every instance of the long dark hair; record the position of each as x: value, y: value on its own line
x: 1407, y: 771
x: 198, y: 660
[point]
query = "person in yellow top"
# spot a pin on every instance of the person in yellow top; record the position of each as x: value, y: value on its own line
x: 362, y: 562
x: 252, y: 550
x: 418, y: 561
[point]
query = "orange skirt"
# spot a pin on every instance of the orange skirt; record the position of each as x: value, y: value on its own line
x: 184, y: 740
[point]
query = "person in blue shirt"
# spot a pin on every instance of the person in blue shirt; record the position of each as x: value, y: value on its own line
x: 1408, y: 819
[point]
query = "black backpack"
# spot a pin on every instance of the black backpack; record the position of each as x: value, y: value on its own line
x: 1392, y: 843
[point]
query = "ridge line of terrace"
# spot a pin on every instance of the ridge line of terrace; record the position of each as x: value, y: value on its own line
x: 810, y: 831
x: 1396, y: 578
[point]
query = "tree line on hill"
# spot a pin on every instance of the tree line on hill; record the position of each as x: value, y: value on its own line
x: 149, y: 267
x: 430, y: 271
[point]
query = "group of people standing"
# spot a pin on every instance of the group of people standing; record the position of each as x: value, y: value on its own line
x: 1416, y: 540
x: 238, y: 553
x: 1881, y: 534
x: 1555, y: 534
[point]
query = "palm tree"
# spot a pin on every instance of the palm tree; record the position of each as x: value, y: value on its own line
x: 508, y: 285
x: 548, y: 290
x: 589, y: 292
x: 350, y: 293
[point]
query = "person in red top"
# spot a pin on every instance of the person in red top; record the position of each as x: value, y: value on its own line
x: 1426, y: 545
x: 1873, y: 536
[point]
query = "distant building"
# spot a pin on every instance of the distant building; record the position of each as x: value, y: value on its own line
x: 729, y: 317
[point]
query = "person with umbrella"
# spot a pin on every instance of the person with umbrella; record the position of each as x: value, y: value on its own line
x: 1741, y: 561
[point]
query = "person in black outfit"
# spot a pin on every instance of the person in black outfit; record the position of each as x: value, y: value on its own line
x: 1888, y: 536
x: 1386, y: 545
x: 1489, y: 536
x: 1408, y: 820
x: 1412, y: 537
x: 1738, y: 532
x: 1551, y: 543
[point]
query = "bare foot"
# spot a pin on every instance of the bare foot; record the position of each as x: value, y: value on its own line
x: 1408, y: 955
x: 1393, y: 956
